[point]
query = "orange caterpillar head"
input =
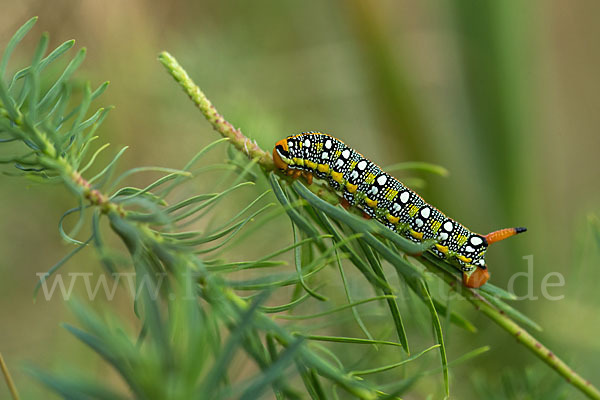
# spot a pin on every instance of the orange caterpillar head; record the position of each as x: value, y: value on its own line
x: 281, y: 154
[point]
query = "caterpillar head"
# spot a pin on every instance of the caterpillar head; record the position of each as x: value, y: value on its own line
x: 281, y: 154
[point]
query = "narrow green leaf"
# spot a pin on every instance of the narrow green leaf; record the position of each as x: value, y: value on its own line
x: 54, y: 91
x: 243, y: 323
x: 288, y: 306
x: 275, y: 371
x: 395, y: 365
x: 190, y: 163
x: 333, y: 310
x: 341, y: 339
x: 93, y: 97
x: 455, y: 318
x: 59, y: 264
x: 355, y: 312
x: 362, y: 266
x: 109, y: 166
x: 296, y: 218
x: 74, y: 387
x: 12, y: 43
x: 298, y: 264
x: 93, y: 158
x: 510, y: 311
x: 437, y: 326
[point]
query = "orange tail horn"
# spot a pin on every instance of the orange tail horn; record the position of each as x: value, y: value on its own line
x: 502, y: 234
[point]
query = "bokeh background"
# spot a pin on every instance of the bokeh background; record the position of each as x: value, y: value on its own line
x: 504, y: 94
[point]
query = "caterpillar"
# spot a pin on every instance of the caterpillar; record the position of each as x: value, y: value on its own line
x: 382, y: 197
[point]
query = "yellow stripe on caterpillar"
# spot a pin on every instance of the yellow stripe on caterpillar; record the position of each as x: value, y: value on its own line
x: 351, y: 188
x: 337, y: 176
x: 443, y: 249
x: 371, y: 203
x: 392, y: 219
x: 323, y: 168
x: 463, y: 258
x: 310, y: 164
x: 416, y: 235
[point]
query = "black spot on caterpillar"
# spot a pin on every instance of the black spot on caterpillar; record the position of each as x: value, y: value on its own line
x: 381, y: 196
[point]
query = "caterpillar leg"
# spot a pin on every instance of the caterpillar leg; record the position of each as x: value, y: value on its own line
x: 475, y: 278
x: 345, y: 203
x: 308, y: 176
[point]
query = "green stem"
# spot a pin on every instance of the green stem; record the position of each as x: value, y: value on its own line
x: 48, y: 157
x: 520, y: 333
x: 220, y: 124
x: 537, y: 348
x: 253, y: 151
x: 226, y: 129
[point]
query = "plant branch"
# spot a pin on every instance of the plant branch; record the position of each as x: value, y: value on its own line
x: 8, y: 378
x: 520, y: 333
x: 253, y: 151
x: 220, y: 124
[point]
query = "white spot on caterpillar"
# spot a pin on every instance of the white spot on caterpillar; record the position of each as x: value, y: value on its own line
x: 426, y: 212
x: 346, y: 153
x: 443, y: 236
x: 382, y: 179
x: 419, y: 222
x: 448, y: 226
x: 476, y: 240
x: 328, y: 144
x: 291, y: 144
x: 339, y: 162
x: 397, y: 207
x: 325, y: 155
x: 480, y: 262
x: 307, y: 143
x: 404, y: 197
x: 362, y: 165
x: 354, y: 175
x: 469, y: 249
x: 374, y: 190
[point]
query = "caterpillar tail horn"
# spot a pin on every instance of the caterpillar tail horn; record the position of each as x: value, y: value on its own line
x: 502, y: 234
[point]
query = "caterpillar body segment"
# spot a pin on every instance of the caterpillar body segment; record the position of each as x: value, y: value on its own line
x: 381, y: 196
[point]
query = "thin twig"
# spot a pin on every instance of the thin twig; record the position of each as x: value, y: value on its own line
x: 253, y: 151
x: 220, y: 124
x: 9, y: 381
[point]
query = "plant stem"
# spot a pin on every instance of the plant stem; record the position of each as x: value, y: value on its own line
x: 520, y: 333
x: 226, y: 129
x: 537, y: 348
x: 265, y: 160
x: 241, y: 142
x: 48, y: 157
x: 9, y: 382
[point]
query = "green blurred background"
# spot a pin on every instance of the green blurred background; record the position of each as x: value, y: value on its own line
x: 504, y: 94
